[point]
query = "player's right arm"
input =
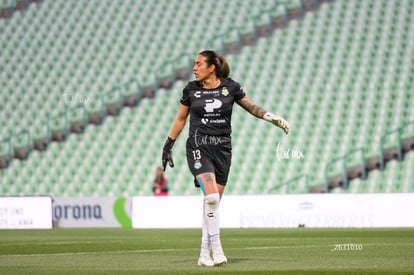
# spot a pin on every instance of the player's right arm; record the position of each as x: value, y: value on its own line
x: 175, y: 131
x: 179, y: 122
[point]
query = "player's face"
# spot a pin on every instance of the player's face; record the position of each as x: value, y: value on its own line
x: 201, y: 69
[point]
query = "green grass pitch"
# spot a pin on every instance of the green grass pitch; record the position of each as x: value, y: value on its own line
x: 121, y: 251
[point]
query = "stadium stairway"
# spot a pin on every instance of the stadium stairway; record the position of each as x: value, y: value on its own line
x: 403, y: 145
x: 392, y: 179
x: 370, y: 174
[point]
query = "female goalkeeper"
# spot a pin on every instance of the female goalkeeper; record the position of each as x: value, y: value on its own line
x: 209, y: 102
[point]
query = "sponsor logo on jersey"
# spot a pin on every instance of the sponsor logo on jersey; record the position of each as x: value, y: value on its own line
x: 198, y: 94
x: 197, y: 164
x: 212, y: 104
x: 224, y: 91
x: 212, y: 114
x: 213, y: 121
x: 214, y: 92
x: 217, y: 121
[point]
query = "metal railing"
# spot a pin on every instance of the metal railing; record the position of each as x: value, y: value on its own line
x: 399, y: 132
x: 344, y: 160
x: 66, y: 124
x: 291, y: 182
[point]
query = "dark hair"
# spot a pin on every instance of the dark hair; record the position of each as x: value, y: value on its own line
x: 213, y: 58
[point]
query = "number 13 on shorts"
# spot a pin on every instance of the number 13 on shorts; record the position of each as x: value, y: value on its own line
x: 196, y: 154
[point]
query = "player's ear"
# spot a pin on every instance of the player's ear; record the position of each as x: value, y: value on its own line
x: 212, y: 68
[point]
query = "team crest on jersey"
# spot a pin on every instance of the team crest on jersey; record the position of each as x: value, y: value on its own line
x: 197, y: 164
x: 224, y: 91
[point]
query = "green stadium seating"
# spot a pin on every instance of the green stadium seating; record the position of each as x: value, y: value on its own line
x: 341, y: 76
x: 85, y: 48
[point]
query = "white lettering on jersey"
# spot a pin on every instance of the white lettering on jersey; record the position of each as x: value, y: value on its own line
x: 212, y: 104
x: 197, y: 94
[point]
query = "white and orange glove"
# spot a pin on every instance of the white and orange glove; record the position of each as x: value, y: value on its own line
x: 278, y: 121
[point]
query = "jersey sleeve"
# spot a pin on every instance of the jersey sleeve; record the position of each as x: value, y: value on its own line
x: 239, y: 92
x: 185, y: 98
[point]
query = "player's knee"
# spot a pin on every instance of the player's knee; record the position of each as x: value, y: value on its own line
x: 213, y: 199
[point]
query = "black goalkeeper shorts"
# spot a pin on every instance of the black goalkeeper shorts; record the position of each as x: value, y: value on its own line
x: 209, y: 154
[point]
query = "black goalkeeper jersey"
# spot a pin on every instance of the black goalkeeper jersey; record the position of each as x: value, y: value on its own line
x: 210, y: 109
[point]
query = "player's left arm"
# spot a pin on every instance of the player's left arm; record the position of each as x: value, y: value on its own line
x: 259, y: 112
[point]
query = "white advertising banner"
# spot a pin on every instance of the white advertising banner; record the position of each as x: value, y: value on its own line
x: 165, y: 212
x: 280, y: 211
x: 92, y: 212
x: 25, y: 213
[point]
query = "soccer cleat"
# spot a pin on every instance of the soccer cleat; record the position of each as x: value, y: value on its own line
x: 205, y: 260
x: 219, y: 259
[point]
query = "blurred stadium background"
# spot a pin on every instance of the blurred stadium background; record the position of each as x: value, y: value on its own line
x: 89, y: 90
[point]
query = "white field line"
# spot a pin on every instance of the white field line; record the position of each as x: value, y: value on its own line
x: 282, y: 247
x: 59, y: 243
x: 186, y: 249
x: 147, y: 251
x: 97, y: 252
x: 45, y: 243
